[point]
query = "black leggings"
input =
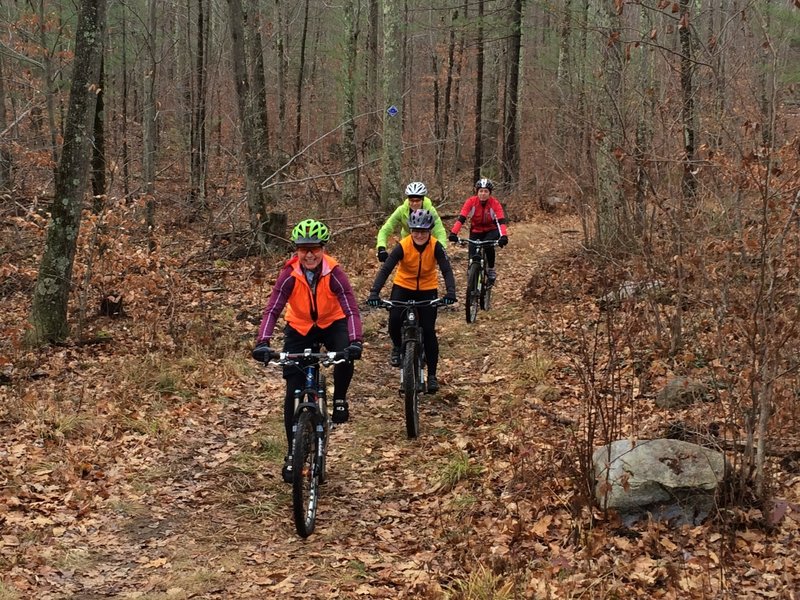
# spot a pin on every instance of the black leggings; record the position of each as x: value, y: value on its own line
x: 427, y: 320
x: 488, y: 235
x: 334, y: 338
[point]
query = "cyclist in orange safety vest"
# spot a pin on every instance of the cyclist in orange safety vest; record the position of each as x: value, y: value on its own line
x: 322, y: 311
x: 416, y: 257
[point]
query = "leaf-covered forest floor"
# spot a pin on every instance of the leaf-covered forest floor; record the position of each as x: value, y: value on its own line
x: 145, y: 463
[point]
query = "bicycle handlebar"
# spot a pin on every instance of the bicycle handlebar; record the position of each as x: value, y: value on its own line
x: 295, y: 358
x: 466, y: 241
x: 409, y: 303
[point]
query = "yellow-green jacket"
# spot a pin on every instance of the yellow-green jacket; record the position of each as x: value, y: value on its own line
x: 399, y: 218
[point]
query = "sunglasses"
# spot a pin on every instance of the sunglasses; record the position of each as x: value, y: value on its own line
x: 306, y: 249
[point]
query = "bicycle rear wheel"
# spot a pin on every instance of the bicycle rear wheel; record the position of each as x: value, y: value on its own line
x: 472, y: 303
x: 305, y: 487
x: 411, y: 387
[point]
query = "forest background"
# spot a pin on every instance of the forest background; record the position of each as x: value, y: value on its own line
x: 151, y: 149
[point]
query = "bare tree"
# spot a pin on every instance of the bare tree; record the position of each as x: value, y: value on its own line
x: 198, y: 147
x: 47, y: 64
x: 300, y: 80
x: 5, y: 152
x: 48, y: 316
x: 610, y: 203
x: 393, y: 99
x: 263, y: 224
x: 149, y: 121
x: 350, y: 188
x: 510, y: 173
x: 688, y: 116
x: 99, y: 145
x: 478, y: 158
x: 372, y: 101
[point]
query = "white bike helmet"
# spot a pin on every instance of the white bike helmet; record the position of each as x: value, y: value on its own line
x: 416, y: 188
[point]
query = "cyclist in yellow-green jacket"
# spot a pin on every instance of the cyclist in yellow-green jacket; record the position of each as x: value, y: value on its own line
x: 415, y: 199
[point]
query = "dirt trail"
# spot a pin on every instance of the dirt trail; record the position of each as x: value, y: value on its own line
x: 214, y: 520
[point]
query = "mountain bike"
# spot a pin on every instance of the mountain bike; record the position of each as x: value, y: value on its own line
x: 412, y: 358
x: 311, y: 427
x: 479, y: 290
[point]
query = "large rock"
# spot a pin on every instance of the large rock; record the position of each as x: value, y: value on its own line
x: 637, y: 476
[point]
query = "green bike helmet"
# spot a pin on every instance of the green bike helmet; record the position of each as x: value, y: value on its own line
x: 310, y: 232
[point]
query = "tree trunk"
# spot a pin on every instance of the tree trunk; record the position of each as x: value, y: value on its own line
x: 255, y: 46
x: 392, y: 95
x: 300, y: 79
x: 5, y: 151
x: 253, y: 145
x: 441, y: 145
x: 126, y: 176
x: 373, y: 103
x: 510, y: 133
x: 48, y: 316
x: 350, y: 188
x: 47, y: 63
x: 149, y: 125
x: 688, y: 117
x: 478, y: 158
x: 283, y: 62
x: 198, y: 147
x: 766, y: 80
x: 99, y: 146
x: 458, y: 127
x: 610, y: 205
x: 564, y: 83
x: 644, y: 127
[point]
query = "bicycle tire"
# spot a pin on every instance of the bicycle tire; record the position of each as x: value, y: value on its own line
x: 411, y: 387
x: 486, y: 296
x: 323, y: 398
x: 472, y: 303
x: 305, y: 485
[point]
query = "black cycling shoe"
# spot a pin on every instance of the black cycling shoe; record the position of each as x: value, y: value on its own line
x: 395, y: 359
x: 341, y: 411
x: 286, y: 472
x: 491, y: 277
x: 433, y: 385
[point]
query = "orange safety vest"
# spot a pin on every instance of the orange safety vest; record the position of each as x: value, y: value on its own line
x: 417, y: 270
x: 304, y: 310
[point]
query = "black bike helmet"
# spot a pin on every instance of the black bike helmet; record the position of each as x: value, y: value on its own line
x: 484, y: 182
x: 310, y: 232
x: 420, y: 219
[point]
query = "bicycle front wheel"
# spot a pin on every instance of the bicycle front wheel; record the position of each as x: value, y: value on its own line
x: 486, y: 296
x: 305, y: 486
x: 473, y: 299
x: 411, y: 374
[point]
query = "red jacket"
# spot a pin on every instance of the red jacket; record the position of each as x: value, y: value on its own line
x: 483, y: 217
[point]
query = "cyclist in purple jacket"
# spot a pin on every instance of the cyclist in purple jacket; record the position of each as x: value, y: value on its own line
x: 321, y: 310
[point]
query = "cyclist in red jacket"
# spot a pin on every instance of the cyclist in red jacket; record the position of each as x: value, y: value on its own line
x: 486, y: 222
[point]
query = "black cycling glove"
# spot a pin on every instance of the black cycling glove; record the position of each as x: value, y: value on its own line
x: 262, y: 352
